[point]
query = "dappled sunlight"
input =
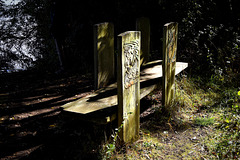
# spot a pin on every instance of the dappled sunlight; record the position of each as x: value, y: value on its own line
x: 30, y: 108
x: 103, y: 54
x: 41, y: 100
x: 39, y: 112
x: 20, y: 154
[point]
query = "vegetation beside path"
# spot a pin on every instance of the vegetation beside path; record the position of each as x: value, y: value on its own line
x: 203, y: 123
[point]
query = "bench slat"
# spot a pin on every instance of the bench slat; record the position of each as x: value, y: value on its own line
x: 107, y: 97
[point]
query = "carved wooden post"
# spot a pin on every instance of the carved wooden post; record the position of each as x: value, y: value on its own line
x: 129, y: 85
x: 170, y: 34
x: 143, y: 25
x: 103, y: 54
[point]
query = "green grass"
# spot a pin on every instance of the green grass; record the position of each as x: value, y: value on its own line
x: 204, y: 123
x: 218, y: 103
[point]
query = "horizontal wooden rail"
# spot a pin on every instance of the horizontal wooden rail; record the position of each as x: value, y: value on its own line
x: 99, y: 103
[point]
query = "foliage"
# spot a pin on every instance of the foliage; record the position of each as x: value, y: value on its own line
x: 229, y: 143
x: 25, y: 36
x: 217, y: 99
x: 208, y: 37
x: 192, y: 97
x: 109, y: 148
x: 211, y: 44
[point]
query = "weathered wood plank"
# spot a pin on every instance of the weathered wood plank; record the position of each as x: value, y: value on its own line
x: 128, y: 84
x: 170, y: 34
x: 103, y: 54
x: 107, y: 97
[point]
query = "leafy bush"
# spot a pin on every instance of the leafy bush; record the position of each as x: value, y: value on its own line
x: 210, y: 44
x: 229, y: 144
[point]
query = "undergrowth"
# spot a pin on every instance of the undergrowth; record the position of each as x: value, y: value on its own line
x: 219, y: 97
x: 205, y: 123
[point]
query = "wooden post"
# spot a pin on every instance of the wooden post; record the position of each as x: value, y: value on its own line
x: 143, y: 25
x: 129, y: 85
x: 170, y: 34
x: 103, y: 54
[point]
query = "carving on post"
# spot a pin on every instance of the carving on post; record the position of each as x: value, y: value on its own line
x: 170, y: 34
x: 129, y: 85
x: 143, y: 25
x: 131, y: 53
x: 103, y: 54
x: 171, y: 45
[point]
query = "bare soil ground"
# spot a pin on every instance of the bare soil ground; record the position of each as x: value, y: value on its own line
x: 32, y: 126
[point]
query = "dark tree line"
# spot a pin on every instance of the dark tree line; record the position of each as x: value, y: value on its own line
x: 49, y: 29
x: 24, y: 34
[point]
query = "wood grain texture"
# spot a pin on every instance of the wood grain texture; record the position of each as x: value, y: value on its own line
x: 129, y: 85
x: 107, y: 97
x: 103, y: 54
x: 170, y: 34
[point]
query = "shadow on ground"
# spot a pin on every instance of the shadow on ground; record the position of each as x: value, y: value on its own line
x: 31, y: 125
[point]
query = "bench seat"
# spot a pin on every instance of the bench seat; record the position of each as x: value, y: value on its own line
x: 101, y: 106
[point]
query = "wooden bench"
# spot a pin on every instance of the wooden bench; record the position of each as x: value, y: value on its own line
x: 101, y: 106
x: 122, y: 99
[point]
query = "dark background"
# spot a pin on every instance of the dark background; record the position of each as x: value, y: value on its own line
x: 208, y: 31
